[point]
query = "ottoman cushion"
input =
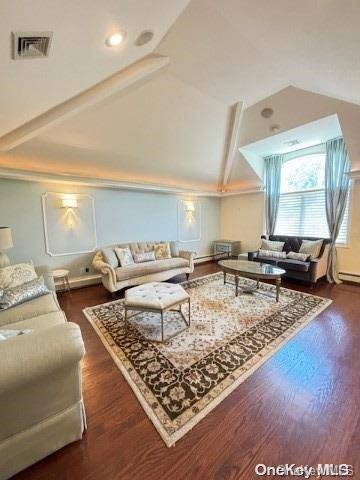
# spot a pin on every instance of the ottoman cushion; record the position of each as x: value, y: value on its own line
x: 155, y: 295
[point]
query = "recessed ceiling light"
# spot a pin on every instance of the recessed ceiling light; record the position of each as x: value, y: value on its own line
x: 115, y: 39
x: 275, y: 128
x: 292, y: 143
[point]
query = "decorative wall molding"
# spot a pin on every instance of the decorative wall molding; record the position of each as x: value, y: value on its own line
x: 27, y: 176
x: 244, y: 192
x: 39, y: 177
x: 189, y: 221
x: 85, y: 220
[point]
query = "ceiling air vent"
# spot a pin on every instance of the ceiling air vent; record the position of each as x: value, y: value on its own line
x: 31, y: 44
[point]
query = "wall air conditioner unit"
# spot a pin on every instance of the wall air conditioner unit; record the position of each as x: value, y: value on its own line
x: 30, y: 44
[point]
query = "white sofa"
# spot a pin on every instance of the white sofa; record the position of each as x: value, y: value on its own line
x: 115, y: 277
x: 40, y: 384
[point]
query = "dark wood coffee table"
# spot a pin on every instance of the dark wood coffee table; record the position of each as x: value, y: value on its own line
x: 253, y: 270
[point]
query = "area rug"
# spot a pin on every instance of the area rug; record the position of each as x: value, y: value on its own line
x: 179, y: 382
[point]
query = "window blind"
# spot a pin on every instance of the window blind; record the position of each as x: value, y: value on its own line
x: 303, y: 213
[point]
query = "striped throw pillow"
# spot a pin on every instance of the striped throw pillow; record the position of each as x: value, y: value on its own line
x: 303, y: 257
x: 271, y: 254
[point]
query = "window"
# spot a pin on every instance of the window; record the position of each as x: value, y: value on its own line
x: 302, y: 199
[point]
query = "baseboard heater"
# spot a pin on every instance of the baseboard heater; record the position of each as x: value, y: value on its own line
x: 350, y: 276
x: 204, y: 258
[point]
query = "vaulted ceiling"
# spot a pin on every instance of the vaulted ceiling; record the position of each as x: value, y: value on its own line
x: 174, y: 128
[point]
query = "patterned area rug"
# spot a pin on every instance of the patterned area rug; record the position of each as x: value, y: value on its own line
x: 182, y: 380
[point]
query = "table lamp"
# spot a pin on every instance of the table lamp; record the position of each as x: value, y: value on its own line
x: 5, y: 243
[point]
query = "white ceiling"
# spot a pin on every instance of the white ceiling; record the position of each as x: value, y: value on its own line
x: 79, y: 57
x: 165, y: 130
x: 248, y: 49
x: 308, y: 135
x: 174, y: 128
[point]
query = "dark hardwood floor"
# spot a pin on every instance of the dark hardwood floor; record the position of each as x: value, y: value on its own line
x: 302, y: 406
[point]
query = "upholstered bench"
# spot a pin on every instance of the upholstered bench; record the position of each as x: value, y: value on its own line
x: 159, y: 298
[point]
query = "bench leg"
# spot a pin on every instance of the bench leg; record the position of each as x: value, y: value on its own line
x: 189, y: 312
x: 162, y: 326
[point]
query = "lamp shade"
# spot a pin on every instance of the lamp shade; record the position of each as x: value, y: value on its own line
x: 5, y: 238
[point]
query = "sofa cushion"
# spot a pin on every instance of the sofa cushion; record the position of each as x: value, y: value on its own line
x: 272, y: 245
x: 162, y: 251
x: 311, y: 248
x: 15, y: 275
x: 110, y: 257
x: 144, y: 257
x: 141, y: 269
x: 296, y: 265
x: 42, y: 321
x: 293, y: 243
x: 303, y: 257
x: 269, y: 260
x: 38, y: 306
x: 23, y: 293
x: 271, y: 254
x: 124, y: 255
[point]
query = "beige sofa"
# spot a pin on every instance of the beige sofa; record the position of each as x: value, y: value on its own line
x: 40, y: 384
x: 115, y: 277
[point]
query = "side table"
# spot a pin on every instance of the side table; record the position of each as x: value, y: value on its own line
x: 231, y: 248
x: 62, y: 276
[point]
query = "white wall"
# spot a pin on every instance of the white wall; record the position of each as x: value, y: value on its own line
x: 121, y: 215
x: 242, y: 218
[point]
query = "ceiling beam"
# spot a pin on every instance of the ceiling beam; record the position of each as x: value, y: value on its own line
x: 117, y: 82
x: 233, y: 143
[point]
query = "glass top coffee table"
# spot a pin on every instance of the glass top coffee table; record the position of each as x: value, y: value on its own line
x: 253, y: 270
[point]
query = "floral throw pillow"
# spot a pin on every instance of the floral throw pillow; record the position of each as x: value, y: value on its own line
x: 124, y: 255
x: 15, y: 275
x: 144, y: 257
x: 162, y: 251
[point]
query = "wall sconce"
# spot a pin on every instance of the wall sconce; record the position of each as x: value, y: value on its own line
x: 189, y: 207
x: 69, y: 203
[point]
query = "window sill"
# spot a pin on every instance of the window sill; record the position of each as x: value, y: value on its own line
x: 342, y: 245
